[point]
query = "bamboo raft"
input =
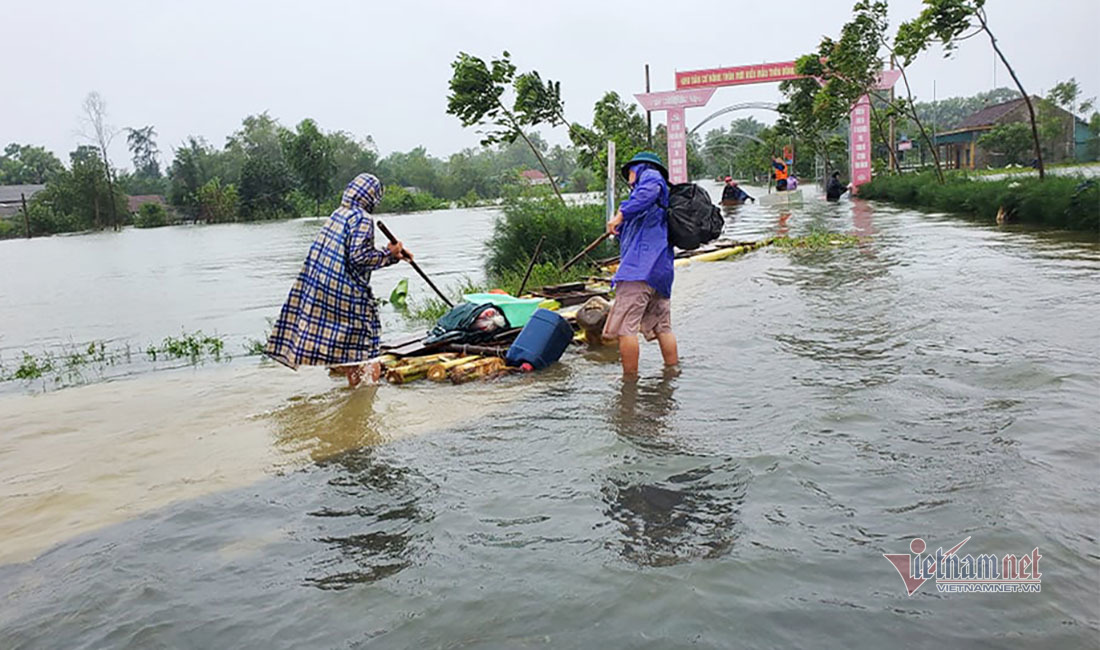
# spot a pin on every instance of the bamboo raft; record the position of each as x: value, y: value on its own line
x: 413, y: 360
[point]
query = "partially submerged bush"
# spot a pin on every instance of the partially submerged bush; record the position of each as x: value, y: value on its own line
x: 568, y: 229
x: 151, y: 215
x: 399, y: 199
x: 1058, y: 202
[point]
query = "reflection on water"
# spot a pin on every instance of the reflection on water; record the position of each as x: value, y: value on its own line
x: 330, y: 423
x: 671, y: 505
x: 367, y: 521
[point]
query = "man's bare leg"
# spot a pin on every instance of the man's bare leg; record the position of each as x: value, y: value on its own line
x: 628, y: 351
x: 669, y: 350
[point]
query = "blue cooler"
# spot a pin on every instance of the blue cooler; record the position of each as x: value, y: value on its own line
x: 542, y: 341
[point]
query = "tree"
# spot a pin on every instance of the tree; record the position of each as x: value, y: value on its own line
x: 615, y: 120
x: 143, y: 148
x: 476, y: 96
x: 1010, y: 142
x: 309, y: 154
x: 218, y: 203
x: 99, y: 132
x: 351, y: 157
x: 847, y: 69
x: 24, y: 164
x: 949, y: 22
x: 266, y: 183
x: 1067, y: 94
x: 190, y: 170
x: 77, y: 198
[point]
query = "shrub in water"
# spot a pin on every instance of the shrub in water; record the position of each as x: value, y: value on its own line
x: 151, y: 215
x: 1058, y: 202
x: 568, y: 229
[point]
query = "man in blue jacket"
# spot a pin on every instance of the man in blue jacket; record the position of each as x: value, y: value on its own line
x: 643, y: 281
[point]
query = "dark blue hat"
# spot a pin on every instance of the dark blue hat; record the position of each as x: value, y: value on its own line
x: 645, y: 157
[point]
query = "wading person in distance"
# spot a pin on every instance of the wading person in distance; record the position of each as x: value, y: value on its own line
x: 331, y: 316
x: 643, y: 281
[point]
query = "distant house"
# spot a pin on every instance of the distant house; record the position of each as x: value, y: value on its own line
x: 534, y: 177
x: 11, y: 198
x: 135, y: 202
x: 959, y: 148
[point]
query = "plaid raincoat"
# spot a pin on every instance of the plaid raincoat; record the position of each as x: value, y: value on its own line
x: 331, y: 316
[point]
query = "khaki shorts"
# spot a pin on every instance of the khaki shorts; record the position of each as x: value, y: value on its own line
x: 638, y: 308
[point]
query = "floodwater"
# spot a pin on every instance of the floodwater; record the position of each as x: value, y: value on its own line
x: 940, y: 380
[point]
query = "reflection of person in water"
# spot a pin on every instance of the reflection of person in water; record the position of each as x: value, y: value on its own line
x: 357, y: 507
x: 668, y: 517
x: 783, y: 228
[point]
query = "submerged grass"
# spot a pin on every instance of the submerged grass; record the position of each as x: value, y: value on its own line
x: 69, y: 364
x: 816, y: 240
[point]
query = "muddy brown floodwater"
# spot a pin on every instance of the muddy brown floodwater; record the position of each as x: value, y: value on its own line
x: 941, y: 381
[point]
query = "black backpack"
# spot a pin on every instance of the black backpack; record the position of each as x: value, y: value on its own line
x: 693, y: 219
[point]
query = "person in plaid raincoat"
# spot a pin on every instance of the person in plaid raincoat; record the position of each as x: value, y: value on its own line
x: 331, y: 316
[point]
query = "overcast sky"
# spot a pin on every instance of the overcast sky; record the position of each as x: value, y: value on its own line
x: 381, y: 68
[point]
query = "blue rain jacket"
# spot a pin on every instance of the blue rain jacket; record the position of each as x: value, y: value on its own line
x: 646, y: 254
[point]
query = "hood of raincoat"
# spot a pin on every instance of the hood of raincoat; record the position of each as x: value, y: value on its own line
x: 363, y: 192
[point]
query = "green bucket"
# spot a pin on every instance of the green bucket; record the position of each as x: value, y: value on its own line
x: 517, y: 310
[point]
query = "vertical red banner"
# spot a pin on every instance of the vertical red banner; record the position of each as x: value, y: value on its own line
x: 677, y: 146
x: 859, y: 142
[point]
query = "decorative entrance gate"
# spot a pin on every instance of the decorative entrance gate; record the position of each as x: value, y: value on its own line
x: 696, y: 87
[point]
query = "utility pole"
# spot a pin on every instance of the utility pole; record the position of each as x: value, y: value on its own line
x: 893, y: 134
x: 26, y: 215
x: 648, y: 114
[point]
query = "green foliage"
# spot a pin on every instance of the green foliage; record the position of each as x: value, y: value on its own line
x: 816, y: 240
x: 189, y: 345
x: 476, y: 98
x: 76, y: 199
x: 143, y: 148
x: 33, y: 367
x: 398, y: 199
x: 266, y: 183
x: 309, y: 154
x: 1067, y: 94
x: 568, y: 229
x: 350, y: 157
x: 543, y: 274
x: 1008, y: 143
x: 1059, y: 202
x: 11, y: 228
x: 151, y: 215
x: 613, y: 119
x: 27, y: 165
x: 218, y: 204
x: 583, y: 180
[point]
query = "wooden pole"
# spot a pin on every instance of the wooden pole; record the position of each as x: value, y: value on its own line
x: 416, y: 267
x: 531, y: 266
x: 588, y: 249
x: 26, y: 215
